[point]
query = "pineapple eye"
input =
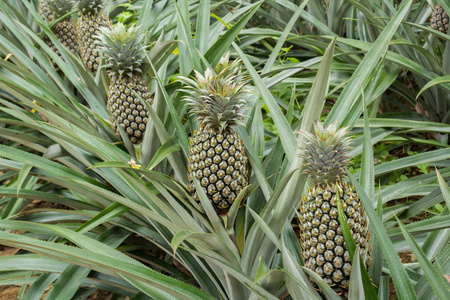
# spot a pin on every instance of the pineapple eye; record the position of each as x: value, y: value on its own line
x: 330, y: 244
x: 347, y: 268
x: 337, y: 275
x: 329, y: 255
x: 338, y: 262
x: 320, y: 260
x: 220, y: 185
x: 328, y: 268
x: 322, y: 239
x: 220, y: 174
x: 339, y: 239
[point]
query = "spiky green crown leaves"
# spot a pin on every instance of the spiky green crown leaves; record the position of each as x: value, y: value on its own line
x: 123, y: 49
x: 60, y: 7
x: 326, y: 153
x: 89, y: 7
x: 218, y: 98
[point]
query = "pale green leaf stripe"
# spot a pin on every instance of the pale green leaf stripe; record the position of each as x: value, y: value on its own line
x: 169, y: 146
x: 352, y: 91
x: 410, y: 126
x: 265, y: 228
x: 150, y: 290
x: 437, y: 281
x: 296, y: 280
x: 31, y: 262
x: 214, y: 53
x: 191, y: 57
x: 424, y: 226
x: 444, y: 188
x: 215, y: 245
x: 68, y: 282
x: 367, y: 179
x: 238, y: 274
x: 202, y: 31
x: 400, y: 278
x: 255, y: 163
x: 104, y: 263
x: 269, y: 64
x: 414, y: 160
x: 356, y: 288
x: 175, y: 158
x: 184, y: 140
x: 286, y: 135
x: 396, y: 58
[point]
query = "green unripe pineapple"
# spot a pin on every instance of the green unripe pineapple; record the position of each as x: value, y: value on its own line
x: 88, y: 27
x: 217, y: 153
x: 64, y: 30
x: 124, y: 55
x: 323, y: 247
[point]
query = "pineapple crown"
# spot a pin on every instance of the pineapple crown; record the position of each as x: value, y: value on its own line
x: 89, y: 7
x: 217, y: 99
x: 326, y: 153
x: 122, y: 49
x: 60, y: 7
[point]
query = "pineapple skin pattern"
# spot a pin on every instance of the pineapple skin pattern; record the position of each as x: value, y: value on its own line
x: 440, y: 19
x: 88, y: 27
x: 219, y: 163
x: 65, y: 32
x: 126, y: 108
x: 323, y: 246
x: 89, y: 22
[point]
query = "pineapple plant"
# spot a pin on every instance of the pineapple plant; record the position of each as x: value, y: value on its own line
x: 65, y: 29
x: 125, y: 53
x: 88, y: 27
x: 217, y: 154
x: 440, y: 19
x: 323, y: 246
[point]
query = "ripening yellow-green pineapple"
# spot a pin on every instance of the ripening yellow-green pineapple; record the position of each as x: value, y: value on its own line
x: 124, y: 54
x: 89, y: 22
x: 64, y: 30
x: 217, y: 158
x: 324, y: 250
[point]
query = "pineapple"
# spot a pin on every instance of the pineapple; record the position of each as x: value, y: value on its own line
x: 217, y: 154
x: 45, y: 12
x: 65, y: 29
x: 124, y: 54
x: 322, y: 241
x: 440, y: 19
x: 88, y: 27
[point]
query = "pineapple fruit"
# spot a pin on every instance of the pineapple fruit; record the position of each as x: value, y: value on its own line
x: 124, y: 55
x: 323, y: 246
x: 217, y: 153
x: 440, y: 19
x: 45, y: 12
x: 65, y: 29
x: 88, y: 27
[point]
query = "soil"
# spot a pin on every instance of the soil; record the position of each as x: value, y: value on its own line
x: 405, y: 257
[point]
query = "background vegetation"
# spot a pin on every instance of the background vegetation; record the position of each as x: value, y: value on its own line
x: 119, y: 218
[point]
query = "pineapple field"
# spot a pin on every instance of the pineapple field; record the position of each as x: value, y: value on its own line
x: 241, y: 150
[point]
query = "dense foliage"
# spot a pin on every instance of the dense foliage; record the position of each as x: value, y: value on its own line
x: 118, y: 216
